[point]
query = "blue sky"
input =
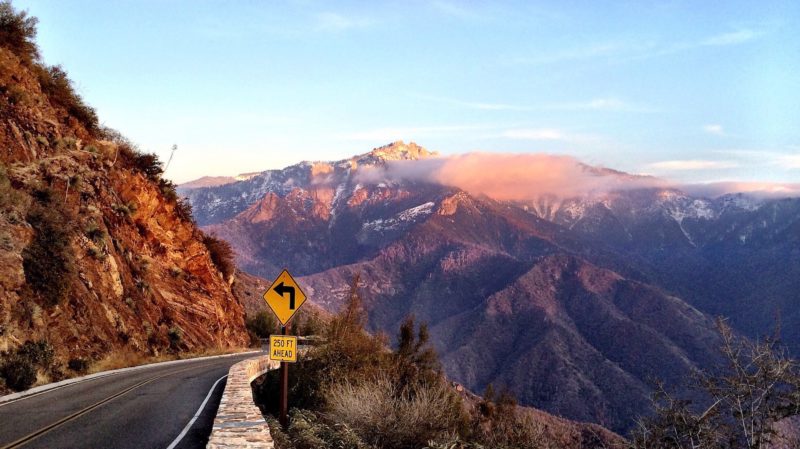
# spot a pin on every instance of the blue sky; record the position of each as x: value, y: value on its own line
x: 693, y: 91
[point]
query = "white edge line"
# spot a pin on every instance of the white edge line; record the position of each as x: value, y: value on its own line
x: 196, y: 415
x: 14, y: 397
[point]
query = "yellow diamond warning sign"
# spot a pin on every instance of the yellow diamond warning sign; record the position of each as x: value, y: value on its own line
x: 284, y: 297
x: 283, y: 348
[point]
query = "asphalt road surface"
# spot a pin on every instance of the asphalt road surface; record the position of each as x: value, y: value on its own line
x: 145, y: 408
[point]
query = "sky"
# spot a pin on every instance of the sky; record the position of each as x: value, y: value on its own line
x: 691, y: 91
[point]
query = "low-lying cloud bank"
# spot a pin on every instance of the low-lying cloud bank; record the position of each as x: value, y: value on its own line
x: 521, y: 177
x: 757, y: 189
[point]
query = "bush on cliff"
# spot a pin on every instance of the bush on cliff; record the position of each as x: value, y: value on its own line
x: 18, y: 32
x: 19, y: 368
x: 48, y: 260
x: 221, y: 255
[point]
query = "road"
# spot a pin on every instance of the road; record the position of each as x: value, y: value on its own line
x: 145, y: 408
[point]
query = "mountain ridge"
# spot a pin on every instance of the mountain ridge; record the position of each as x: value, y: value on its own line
x: 415, y: 242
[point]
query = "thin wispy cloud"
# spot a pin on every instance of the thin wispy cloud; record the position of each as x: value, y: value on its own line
x: 483, y: 106
x: 791, y: 161
x: 626, y: 50
x: 456, y: 10
x: 757, y: 189
x: 787, y: 160
x: 402, y: 133
x: 591, y: 51
x: 610, y: 104
x: 535, y: 134
x: 733, y: 38
x: 331, y: 21
x: 692, y: 164
x: 714, y: 129
x: 553, y: 135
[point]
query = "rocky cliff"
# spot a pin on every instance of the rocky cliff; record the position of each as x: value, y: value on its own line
x: 97, y: 254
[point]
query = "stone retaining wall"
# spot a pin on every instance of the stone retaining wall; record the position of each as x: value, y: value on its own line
x: 239, y: 423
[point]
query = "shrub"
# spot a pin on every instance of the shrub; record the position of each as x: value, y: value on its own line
x: 757, y: 386
x: 94, y: 233
x: 175, y: 335
x: 308, y: 431
x: 55, y: 83
x: 262, y: 325
x: 415, y: 360
x: 122, y: 209
x: 66, y: 144
x: 112, y: 135
x: 48, y: 260
x: 43, y: 196
x: 9, y: 196
x: 19, y: 369
x: 18, y: 32
x: 40, y: 353
x: 183, y: 209
x: 221, y: 254
x: 95, y: 253
x: 19, y: 372
x: 501, y: 424
x: 167, y: 188
x: 308, y: 323
x: 148, y: 164
x: 386, y: 414
x: 79, y: 365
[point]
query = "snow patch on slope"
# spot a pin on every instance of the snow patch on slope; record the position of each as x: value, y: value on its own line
x: 407, y: 216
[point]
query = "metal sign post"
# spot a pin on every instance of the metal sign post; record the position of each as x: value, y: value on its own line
x: 283, y: 418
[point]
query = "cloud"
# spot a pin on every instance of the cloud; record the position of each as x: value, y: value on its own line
x: 692, y: 164
x: 530, y: 176
x: 552, y: 135
x: 772, y: 158
x: 590, y: 51
x: 790, y: 161
x: 453, y: 10
x: 534, y: 134
x: 399, y: 133
x: 628, y: 50
x: 756, y: 189
x: 331, y: 21
x: 509, y: 176
x: 714, y: 129
x: 474, y: 104
x: 611, y: 104
x: 733, y: 38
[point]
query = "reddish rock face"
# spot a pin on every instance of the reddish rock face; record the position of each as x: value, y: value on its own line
x: 136, y: 278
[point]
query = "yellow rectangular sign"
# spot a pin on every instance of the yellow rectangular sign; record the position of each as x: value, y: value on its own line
x: 283, y: 348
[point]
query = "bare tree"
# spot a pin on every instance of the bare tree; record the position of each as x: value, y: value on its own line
x: 757, y: 386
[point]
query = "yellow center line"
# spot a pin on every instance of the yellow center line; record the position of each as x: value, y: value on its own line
x: 43, y: 430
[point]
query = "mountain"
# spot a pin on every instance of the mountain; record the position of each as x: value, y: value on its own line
x: 572, y: 309
x: 735, y: 255
x: 510, y: 304
x: 98, y: 255
x: 218, y: 203
x: 213, y: 181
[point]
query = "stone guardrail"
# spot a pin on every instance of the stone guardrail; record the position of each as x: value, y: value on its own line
x: 239, y: 423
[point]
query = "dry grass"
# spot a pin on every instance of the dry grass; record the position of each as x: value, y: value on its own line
x: 127, y: 359
x: 386, y: 416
